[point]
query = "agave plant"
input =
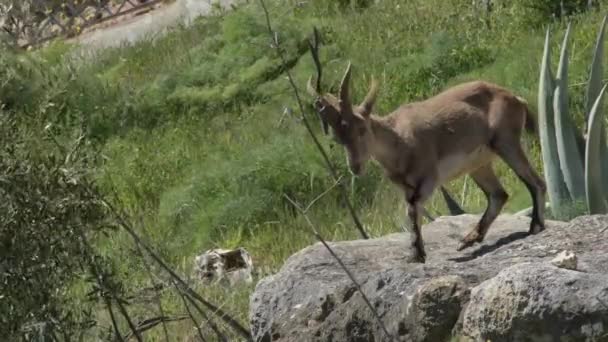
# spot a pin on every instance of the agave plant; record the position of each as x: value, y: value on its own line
x: 575, y: 162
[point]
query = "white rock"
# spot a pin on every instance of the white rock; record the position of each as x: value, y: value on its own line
x: 221, y: 265
x: 565, y: 259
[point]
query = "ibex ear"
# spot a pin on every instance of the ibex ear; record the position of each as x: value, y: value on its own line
x: 344, y: 88
x: 370, y: 99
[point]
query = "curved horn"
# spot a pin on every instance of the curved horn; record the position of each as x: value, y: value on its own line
x: 370, y: 98
x: 344, y: 86
x: 311, y: 88
x: 313, y: 91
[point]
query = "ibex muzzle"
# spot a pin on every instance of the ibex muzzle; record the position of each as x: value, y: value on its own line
x: 422, y: 145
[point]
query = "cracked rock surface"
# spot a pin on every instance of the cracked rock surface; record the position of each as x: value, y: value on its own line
x: 505, y: 289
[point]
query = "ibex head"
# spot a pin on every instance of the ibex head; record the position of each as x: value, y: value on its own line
x: 350, y: 124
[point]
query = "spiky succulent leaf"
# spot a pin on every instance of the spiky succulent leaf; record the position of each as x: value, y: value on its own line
x: 604, y: 155
x: 596, y: 73
x: 596, y: 202
x: 570, y: 159
x: 556, y: 187
x: 593, y: 89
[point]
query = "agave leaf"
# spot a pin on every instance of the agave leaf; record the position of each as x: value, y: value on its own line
x: 597, y: 71
x: 593, y: 89
x: 556, y: 187
x: 604, y: 155
x: 593, y: 166
x: 570, y: 159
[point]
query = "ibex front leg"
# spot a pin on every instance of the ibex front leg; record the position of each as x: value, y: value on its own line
x: 415, y: 197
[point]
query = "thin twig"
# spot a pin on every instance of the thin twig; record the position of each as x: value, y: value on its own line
x: 321, y: 195
x: 601, y: 302
x: 150, y: 323
x: 125, y: 314
x: 156, y: 291
x: 426, y: 214
x: 465, y: 187
x: 346, y: 270
x: 113, y: 318
x: 328, y: 162
x: 194, y: 321
x: 97, y: 273
x: 181, y: 291
x: 208, y: 320
x: 233, y: 323
x: 102, y: 284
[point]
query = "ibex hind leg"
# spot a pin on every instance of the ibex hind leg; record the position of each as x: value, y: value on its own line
x: 496, y: 196
x: 511, y: 152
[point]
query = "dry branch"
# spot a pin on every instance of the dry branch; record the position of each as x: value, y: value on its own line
x: 329, y: 164
x: 150, y: 323
x: 314, y: 231
x: 180, y: 283
x: 192, y: 318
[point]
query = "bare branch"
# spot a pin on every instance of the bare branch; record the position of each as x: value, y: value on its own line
x: 113, y: 318
x: 122, y: 222
x: 328, y: 162
x: 150, y: 323
x: 314, y: 51
x: 342, y: 265
x: 102, y: 283
x: 125, y: 314
x: 191, y: 316
x: 427, y: 214
x: 157, y: 294
x: 322, y: 194
x: 188, y: 299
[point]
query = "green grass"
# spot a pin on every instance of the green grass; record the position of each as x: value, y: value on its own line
x: 192, y: 139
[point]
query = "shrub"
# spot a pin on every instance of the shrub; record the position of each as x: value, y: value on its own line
x: 45, y: 212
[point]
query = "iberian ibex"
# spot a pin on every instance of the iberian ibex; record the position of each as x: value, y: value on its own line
x: 422, y: 145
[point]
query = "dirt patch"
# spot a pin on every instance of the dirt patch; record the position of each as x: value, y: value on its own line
x: 147, y: 23
x: 132, y: 14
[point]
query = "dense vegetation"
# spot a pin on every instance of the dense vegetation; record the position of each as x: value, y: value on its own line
x: 191, y: 137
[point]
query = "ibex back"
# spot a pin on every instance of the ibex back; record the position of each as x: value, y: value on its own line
x: 424, y: 144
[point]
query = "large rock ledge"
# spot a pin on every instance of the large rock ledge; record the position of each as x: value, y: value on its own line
x: 506, y: 289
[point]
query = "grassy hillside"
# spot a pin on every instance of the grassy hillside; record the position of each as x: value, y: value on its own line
x: 188, y: 134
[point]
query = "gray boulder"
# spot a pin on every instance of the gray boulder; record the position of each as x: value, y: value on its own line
x: 538, y: 302
x: 455, y: 294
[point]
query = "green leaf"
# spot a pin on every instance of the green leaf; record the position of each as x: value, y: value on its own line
x: 570, y: 159
x: 596, y: 73
x: 596, y: 201
x: 593, y: 89
x: 556, y: 188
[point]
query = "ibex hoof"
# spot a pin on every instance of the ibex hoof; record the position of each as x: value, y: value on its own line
x: 464, y: 244
x: 536, y: 228
x: 418, y: 259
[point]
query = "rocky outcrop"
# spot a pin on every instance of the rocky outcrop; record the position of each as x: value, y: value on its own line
x: 539, y: 302
x: 506, y: 289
